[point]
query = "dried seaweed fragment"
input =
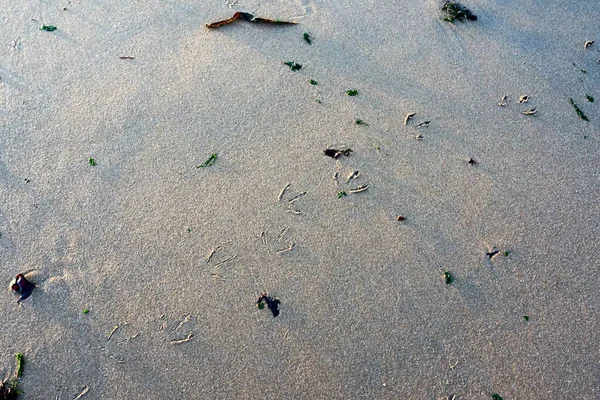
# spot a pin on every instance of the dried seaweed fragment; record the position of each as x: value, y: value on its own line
x: 496, y: 396
x: 409, y: 117
x: 352, y: 92
x: 22, y: 286
x: 272, y: 303
x: 580, y: 113
x: 530, y: 111
x: 249, y: 18
x: 360, y: 122
x: 293, y: 66
x: 589, y: 98
x: 457, y: 11
x: 334, y: 153
x: 49, y: 28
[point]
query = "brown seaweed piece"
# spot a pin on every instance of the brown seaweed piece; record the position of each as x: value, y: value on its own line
x: 248, y: 17
x: 22, y: 286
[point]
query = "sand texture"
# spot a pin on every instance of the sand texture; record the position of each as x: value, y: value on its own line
x: 170, y: 259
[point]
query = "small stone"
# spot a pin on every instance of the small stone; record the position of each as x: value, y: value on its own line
x: 400, y: 218
x: 470, y: 161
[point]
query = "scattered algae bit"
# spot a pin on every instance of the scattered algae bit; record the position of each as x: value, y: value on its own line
x: 457, y: 11
x: 271, y: 302
x: 49, y: 28
x: 352, y: 92
x: 211, y: 160
x: 293, y: 66
x: 10, y: 390
x: 307, y: 37
x: 580, y: 113
x: 341, y: 194
x: 20, y: 362
x: 92, y: 162
x: 447, y: 276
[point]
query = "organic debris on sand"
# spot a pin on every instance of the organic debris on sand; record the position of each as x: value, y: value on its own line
x: 22, y: 286
x: 580, y: 113
x: 333, y: 153
x: 457, y: 11
x: 272, y: 303
x: 249, y: 18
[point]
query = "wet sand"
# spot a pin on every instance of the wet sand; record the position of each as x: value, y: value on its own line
x: 365, y: 312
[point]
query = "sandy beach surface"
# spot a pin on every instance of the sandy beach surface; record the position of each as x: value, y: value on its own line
x: 169, y: 258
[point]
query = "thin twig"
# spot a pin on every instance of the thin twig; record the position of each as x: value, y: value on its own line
x: 189, y: 337
x: 212, y: 253
x: 359, y: 189
x: 295, y: 212
x: 83, y: 392
x: 110, y: 335
x: 224, y: 261
x: 353, y: 175
x: 128, y: 339
x: 263, y: 235
x: 283, y: 191
x: 408, y: 117
x: 185, y: 319
x: 289, y: 248
x: 296, y: 197
x: 283, y: 231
